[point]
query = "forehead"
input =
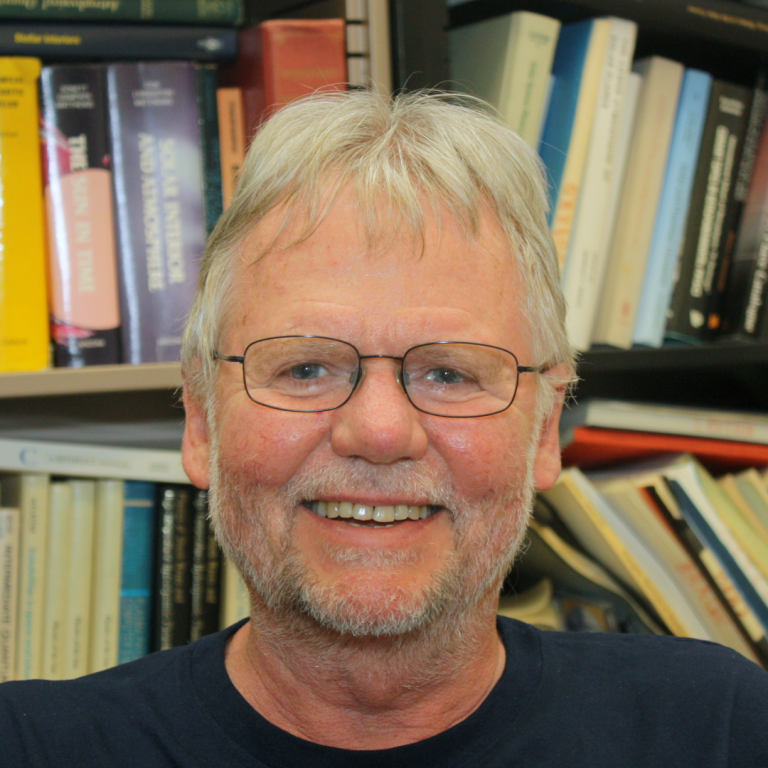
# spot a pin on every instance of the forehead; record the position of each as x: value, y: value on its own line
x: 394, y: 294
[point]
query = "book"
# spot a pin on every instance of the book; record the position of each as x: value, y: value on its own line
x: 85, y: 312
x: 754, y: 489
x: 145, y: 11
x: 153, y: 118
x: 58, y: 564
x: 137, y: 570
x: 24, y: 302
x: 235, y: 600
x: 586, y: 256
x: 638, y: 509
x: 9, y: 584
x: 210, y: 144
x: 507, y: 61
x: 744, y: 498
x: 379, y: 44
x: 107, y: 574
x: 740, y: 189
x: 699, y: 263
x: 535, y: 606
x: 205, y: 579
x: 28, y: 493
x: 595, y: 447
x: 77, y: 631
x: 576, y: 69
x: 745, y: 296
x: 666, y: 419
x: 229, y: 102
x: 173, y: 568
x: 656, y: 111
x: 669, y: 227
x: 283, y: 59
x: 607, y: 538
x: 82, y: 460
x: 77, y: 42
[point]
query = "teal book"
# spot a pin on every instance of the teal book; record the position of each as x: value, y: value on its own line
x: 137, y: 571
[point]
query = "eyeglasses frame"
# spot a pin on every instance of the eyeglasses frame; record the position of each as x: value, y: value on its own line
x: 520, y: 369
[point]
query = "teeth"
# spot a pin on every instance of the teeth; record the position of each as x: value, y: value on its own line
x: 362, y: 512
x: 384, y: 514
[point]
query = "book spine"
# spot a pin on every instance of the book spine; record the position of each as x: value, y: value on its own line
x: 137, y: 571
x: 159, y: 202
x: 208, y: 123
x: 174, y: 567
x: 199, y: 564
x: 229, y: 102
x: 75, y: 42
x: 585, y: 261
x: 163, y: 11
x: 107, y: 554
x: 29, y: 493
x: 723, y: 135
x: 283, y: 59
x: 91, y: 460
x: 78, y: 627
x: 58, y: 562
x: 9, y: 583
x: 85, y: 315
x: 213, y: 575
x: 235, y: 600
x: 669, y: 228
x: 23, y: 291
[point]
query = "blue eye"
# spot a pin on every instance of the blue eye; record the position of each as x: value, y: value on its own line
x: 445, y: 376
x: 307, y: 371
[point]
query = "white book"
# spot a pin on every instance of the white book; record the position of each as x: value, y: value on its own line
x: 57, y: 579
x: 9, y: 583
x: 235, y: 602
x: 507, y: 62
x: 78, y: 626
x: 656, y: 112
x: 665, y: 419
x: 585, y: 259
x: 107, y: 565
x: 81, y: 460
x: 29, y: 493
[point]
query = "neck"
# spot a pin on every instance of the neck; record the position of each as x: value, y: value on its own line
x: 366, y: 693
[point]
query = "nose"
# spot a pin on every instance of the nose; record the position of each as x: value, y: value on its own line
x: 378, y: 423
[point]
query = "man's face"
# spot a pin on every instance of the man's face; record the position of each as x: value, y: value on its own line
x: 476, y: 475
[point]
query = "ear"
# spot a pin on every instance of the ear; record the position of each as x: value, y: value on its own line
x: 547, y: 466
x: 195, y: 447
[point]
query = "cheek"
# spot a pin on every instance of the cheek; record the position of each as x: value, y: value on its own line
x: 269, y: 447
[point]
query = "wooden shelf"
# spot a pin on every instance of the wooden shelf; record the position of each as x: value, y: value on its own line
x: 81, y: 381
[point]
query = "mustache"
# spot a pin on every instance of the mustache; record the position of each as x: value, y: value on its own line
x: 408, y: 480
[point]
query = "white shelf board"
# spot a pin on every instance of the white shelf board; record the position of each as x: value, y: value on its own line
x: 97, y: 378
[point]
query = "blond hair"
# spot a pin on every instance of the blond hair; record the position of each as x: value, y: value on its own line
x: 445, y: 149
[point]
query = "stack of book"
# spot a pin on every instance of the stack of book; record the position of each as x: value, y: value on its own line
x: 102, y: 570
x: 658, y: 172
x: 642, y: 537
x: 142, y: 144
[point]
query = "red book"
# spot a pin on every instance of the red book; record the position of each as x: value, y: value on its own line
x: 280, y: 60
x: 592, y: 447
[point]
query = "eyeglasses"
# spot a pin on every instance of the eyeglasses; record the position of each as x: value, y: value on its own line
x: 309, y: 374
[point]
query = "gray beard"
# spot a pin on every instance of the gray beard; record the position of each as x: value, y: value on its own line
x: 254, y: 527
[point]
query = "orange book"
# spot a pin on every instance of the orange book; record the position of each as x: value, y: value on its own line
x: 280, y: 60
x: 592, y: 447
x: 229, y: 103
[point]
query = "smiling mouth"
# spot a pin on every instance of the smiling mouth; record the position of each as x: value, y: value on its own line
x: 371, y: 516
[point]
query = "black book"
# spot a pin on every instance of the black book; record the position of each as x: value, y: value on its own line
x: 698, y: 267
x: 85, y: 313
x: 67, y: 42
x: 173, y: 593
x: 206, y: 569
x: 210, y: 146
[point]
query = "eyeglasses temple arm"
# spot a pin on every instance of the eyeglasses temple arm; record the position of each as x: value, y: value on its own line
x: 229, y: 358
x: 533, y: 369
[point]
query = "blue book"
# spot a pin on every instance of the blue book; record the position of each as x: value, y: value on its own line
x: 708, y: 536
x: 567, y: 71
x: 672, y: 212
x: 137, y: 571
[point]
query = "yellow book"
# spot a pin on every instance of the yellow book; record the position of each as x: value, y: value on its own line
x: 235, y: 601
x: 23, y: 291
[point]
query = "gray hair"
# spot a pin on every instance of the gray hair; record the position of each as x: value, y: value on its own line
x: 445, y: 149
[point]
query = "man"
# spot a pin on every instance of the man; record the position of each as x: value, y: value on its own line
x: 374, y: 368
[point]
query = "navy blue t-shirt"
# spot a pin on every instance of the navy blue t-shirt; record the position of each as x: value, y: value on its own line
x: 564, y: 701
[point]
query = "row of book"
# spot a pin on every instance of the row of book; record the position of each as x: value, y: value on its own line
x: 658, y: 174
x: 638, y: 535
x: 138, y: 160
x: 97, y: 572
